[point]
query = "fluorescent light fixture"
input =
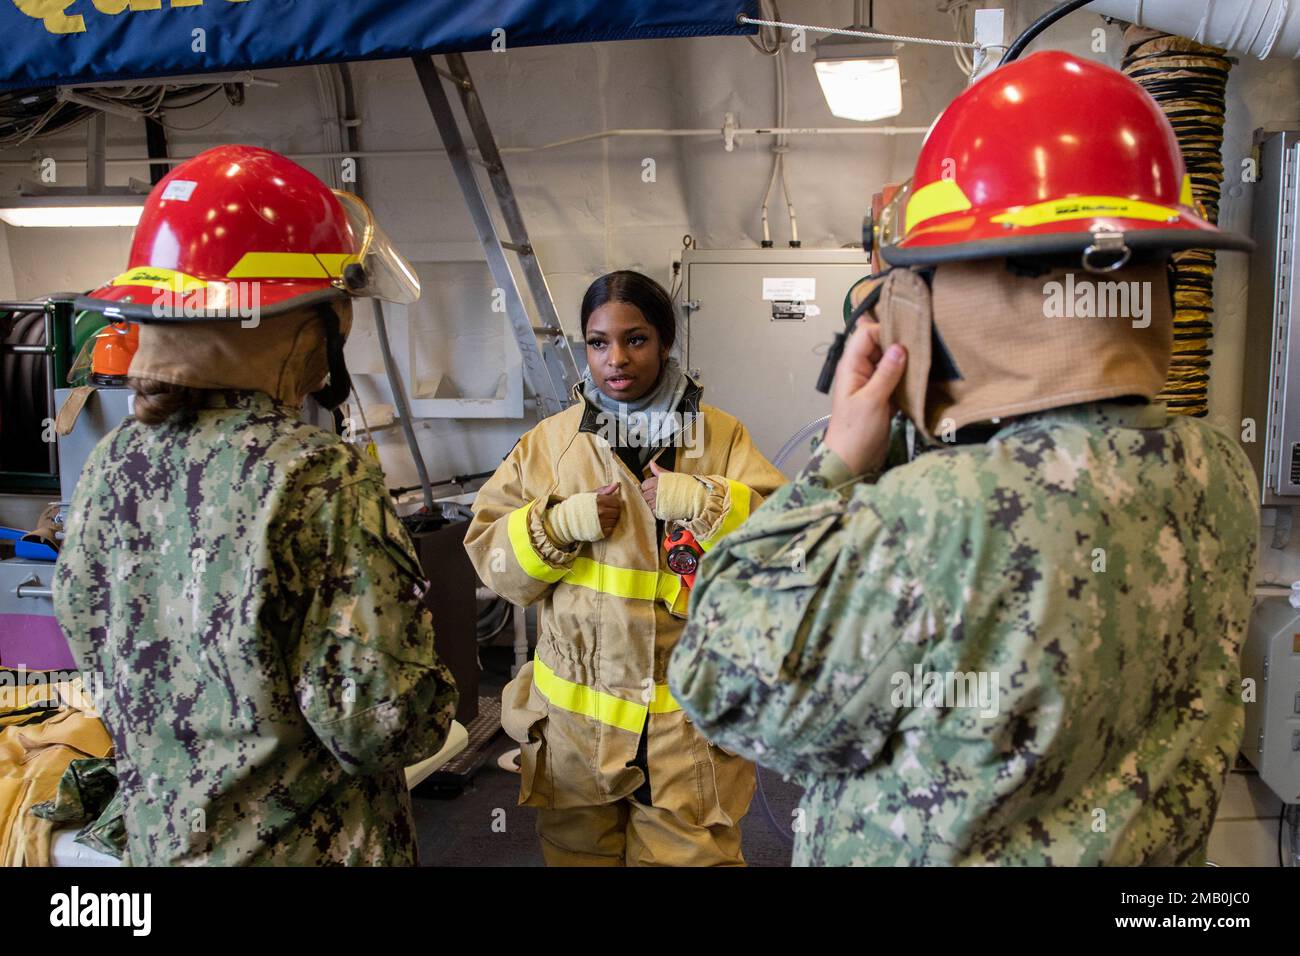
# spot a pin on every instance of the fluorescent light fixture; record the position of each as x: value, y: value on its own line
x: 71, y: 211
x: 860, y: 80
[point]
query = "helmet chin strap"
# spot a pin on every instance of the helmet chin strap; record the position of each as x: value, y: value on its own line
x: 339, y: 385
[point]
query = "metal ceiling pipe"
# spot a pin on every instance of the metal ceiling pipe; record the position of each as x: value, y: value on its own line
x: 1261, y: 28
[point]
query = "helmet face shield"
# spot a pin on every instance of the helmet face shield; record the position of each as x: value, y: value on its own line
x: 892, y: 226
x: 81, y: 365
x: 385, y: 273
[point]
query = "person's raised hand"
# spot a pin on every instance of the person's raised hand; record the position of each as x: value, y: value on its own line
x: 650, y: 487
x: 861, y: 399
x: 609, y: 506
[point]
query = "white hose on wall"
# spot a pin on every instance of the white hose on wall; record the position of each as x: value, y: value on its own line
x: 1261, y: 28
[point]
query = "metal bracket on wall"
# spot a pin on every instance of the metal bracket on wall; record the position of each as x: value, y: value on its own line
x: 549, y: 365
x: 1281, y: 527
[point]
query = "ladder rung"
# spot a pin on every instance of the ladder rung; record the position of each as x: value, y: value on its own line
x: 524, y: 249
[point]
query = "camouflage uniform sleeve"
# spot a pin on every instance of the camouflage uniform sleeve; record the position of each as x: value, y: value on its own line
x: 896, y: 455
x: 366, y: 674
x: 799, y: 621
x: 506, y: 540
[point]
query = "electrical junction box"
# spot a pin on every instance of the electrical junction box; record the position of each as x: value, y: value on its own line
x: 757, y: 325
x: 1271, y: 658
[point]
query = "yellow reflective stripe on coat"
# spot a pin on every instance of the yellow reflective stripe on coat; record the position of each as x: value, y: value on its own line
x: 587, y: 701
x: 615, y: 711
x: 529, y: 560
x: 735, y: 516
x: 632, y: 584
x: 610, y: 579
x: 664, y: 703
x: 670, y: 589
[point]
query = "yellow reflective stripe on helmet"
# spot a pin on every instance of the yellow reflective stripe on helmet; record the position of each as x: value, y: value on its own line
x: 610, y: 579
x: 160, y: 279
x: 1185, y: 195
x: 289, y: 265
x: 587, y: 701
x: 529, y: 560
x: 664, y: 703
x: 736, y: 514
x: 334, y: 262
x: 1085, y: 207
x: 934, y: 199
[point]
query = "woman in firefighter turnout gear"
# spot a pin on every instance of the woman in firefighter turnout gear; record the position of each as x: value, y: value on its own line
x: 574, y: 519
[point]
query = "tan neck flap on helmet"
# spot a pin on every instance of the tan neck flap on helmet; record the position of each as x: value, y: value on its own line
x: 1021, y: 345
x: 284, y: 356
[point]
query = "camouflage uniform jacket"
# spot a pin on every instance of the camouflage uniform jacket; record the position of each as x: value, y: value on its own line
x: 1093, y: 565
x: 245, y: 589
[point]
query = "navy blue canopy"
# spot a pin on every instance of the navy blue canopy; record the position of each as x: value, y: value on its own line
x: 64, y: 42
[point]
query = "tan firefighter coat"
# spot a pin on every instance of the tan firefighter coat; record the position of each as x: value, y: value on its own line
x: 610, y: 614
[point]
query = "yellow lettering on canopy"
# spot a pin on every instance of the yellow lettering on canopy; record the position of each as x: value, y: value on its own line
x: 57, y: 21
x: 114, y: 7
x: 51, y: 12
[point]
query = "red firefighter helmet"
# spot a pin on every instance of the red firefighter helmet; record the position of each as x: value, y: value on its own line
x: 239, y: 228
x: 1047, y: 155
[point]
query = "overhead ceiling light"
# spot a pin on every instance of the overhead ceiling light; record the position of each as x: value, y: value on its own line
x: 860, y: 79
x: 71, y: 211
